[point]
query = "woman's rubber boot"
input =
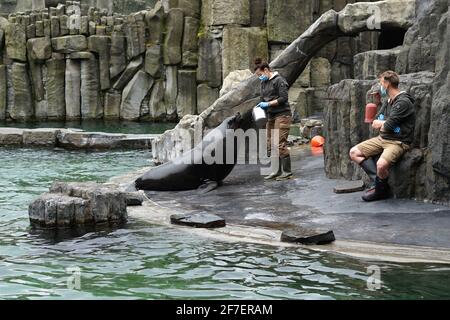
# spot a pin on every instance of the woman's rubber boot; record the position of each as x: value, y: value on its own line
x: 286, y: 165
x: 275, y: 174
x: 380, y: 192
x: 370, y: 167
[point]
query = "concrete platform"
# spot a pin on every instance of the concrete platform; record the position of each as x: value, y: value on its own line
x: 394, y: 230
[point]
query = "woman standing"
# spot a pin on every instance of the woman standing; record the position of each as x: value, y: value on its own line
x: 274, y: 96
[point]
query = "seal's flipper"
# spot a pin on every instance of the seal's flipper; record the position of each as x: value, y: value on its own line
x: 208, y: 186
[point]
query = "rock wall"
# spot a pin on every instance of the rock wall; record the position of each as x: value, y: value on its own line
x: 209, y: 38
x: 58, y: 64
x: 422, y: 60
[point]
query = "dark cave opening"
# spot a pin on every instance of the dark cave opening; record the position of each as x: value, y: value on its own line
x: 391, y: 38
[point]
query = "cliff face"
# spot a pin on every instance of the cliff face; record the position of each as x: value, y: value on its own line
x: 422, y: 60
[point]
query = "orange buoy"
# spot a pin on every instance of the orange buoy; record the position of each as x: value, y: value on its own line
x: 317, y: 141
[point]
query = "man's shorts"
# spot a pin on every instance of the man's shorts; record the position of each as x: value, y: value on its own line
x: 390, y: 150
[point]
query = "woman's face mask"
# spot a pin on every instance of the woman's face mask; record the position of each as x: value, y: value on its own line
x: 263, y: 76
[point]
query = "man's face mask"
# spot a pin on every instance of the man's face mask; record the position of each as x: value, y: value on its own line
x: 263, y: 78
x: 383, y: 91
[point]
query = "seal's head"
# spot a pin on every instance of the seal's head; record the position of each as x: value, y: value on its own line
x: 240, y: 121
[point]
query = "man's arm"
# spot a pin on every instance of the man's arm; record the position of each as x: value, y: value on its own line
x: 399, y: 112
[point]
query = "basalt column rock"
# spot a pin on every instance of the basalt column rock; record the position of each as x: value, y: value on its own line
x: 174, y: 35
x: 190, y: 42
x: 235, y: 12
x: 102, y: 45
x: 118, y: 61
x: 133, y: 95
x: 155, y: 22
x: 187, y: 93
x: 73, y: 89
x: 91, y: 107
x: 153, y: 61
x: 56, y: 109
x: 210, y: 62
x: 16, y: 42
x: 206, y: 97
x: 171, y: 92
x: 113, y: 100
x: 3, y: 92
x: 156, y: 103
x: 241, y: 46
x: 21, y: 107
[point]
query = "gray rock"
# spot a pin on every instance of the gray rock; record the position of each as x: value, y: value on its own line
x: 308, y: 236
x: 74, y: 204
x: 22, y: 106
x: 128, y: 74
x: 210, y: 62
x: 349, y: 186
x: 112, y: 105
x: 187, y: 93
x: 320, y: 72
x: 91, y: 107
x: 81, y: 55
x: 198, y: 220
x: 155, y: 22
x: 230, y: 12
x: 153, y: 61
x: 241, y: 46
x: 156, y: 103
x: 134, y: 199
x: 102, y: 46
x: 40, y: 137
x: 54, y: 26
x: 73, y: 89
x: 39, y: 49
x: 171, y: 92
x: 133, y: 95
x: 173, y: 37
x: 16, y: 42
x: 370, y: 64
x: 11, y: 136
x: 69, y: 44
x: 233, y: 79
x: 56, y: 108
x: 40, y: 29
x: 118, y: 60
x: 31, y: 31
x: 287, y: 20
x: 206, y: 96
x: 190, y: 42
x: 63, y: 25
x: 3, y: 92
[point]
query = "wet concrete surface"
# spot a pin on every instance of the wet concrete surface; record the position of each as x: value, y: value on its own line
x: 309, y: 201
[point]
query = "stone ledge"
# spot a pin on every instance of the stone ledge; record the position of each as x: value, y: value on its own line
x: 74, y: 139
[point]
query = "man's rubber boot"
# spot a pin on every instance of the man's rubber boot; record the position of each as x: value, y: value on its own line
x: 287, y: 173
x: 370, y: 167
x: 275, y: 174
x: 380, y: 192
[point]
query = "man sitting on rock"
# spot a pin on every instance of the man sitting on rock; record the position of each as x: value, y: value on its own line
x: 396, y: 122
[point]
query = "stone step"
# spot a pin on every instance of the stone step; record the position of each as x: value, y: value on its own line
x: 308, y: 236
x: 198, y: 220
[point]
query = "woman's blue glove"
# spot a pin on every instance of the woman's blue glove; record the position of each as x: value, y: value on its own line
x: 397, y: 130
x: 263, y: 105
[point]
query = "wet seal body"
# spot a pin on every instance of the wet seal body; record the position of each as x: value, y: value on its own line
x: 191, y: 171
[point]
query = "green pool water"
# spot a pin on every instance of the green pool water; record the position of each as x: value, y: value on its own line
x: 142, y: 261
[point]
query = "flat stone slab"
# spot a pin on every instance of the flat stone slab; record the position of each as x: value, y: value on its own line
x: 134, y: 199
x: 198, y: 220
x: 308, y: 236
x: 74, y: 139
x: 349, y: 186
